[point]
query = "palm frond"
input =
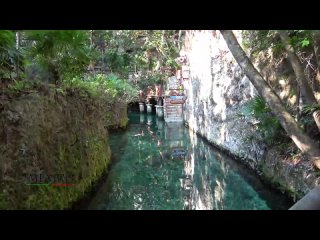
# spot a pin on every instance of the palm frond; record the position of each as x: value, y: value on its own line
x: 310, y: 108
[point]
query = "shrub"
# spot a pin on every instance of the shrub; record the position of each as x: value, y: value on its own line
x: 268, y: 127
x: 105, y: 84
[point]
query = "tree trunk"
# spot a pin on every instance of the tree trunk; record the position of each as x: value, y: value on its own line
x: 91, y: 38
x: 306, y: 92
x: 54, y: 77
x: 17, y: 47
x: 179, y: 39
x: 316, y: 48
x: 302, y: 141
x: 316, y: 44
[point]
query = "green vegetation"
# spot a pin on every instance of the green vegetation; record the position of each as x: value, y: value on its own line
x: 60, y: 106
x: 10, y: 57
x: 101, y: 84
x: 50, y: 197
x: 268, y: 128
x: 262, y: 40
x: 300, y: 48
x: 59, y: 52
x: 309, y: 109
x: 301, y: 139
x: 59, y: 56
x: 53, y: 132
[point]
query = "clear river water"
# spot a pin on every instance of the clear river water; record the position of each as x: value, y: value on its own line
x: 165, y: 166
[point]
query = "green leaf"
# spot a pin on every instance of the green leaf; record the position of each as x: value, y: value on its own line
x: 305, y: 42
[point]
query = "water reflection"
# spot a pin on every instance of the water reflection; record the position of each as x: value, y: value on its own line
x: 165, y: 166
x: 160, y: 123
x: 149, y: 119
x: 142, y: 118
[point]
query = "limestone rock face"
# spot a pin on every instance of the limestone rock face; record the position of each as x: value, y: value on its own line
x: 215, y: 91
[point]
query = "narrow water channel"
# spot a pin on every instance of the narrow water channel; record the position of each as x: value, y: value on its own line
x: 159, y: 165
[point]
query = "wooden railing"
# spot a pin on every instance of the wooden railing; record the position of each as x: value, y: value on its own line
x: 311, y: 201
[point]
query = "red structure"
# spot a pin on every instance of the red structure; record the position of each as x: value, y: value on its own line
x: 158, y: 90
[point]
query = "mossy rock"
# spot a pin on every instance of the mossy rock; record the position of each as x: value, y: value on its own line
x: 124, y: 122
x: 52, y: 133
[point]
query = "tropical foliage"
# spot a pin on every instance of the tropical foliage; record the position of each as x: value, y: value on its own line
x: 267, y: 125
x: 58, y: 56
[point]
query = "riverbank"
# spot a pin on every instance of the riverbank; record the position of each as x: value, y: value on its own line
x: 267, y: 179
x: 220, y: 108
x: 54, y: 145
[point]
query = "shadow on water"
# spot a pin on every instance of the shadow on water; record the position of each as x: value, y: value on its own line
x: 159, y: 165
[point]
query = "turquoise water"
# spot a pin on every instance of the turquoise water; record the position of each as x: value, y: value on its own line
x: 159, y: 165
